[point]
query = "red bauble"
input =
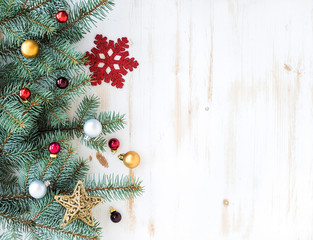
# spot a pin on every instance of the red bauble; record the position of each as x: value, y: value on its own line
x: 61, y: 16
x: 114, y: 143
x: 62, y: 82
x: 24, y: 93
x: 54, y: 148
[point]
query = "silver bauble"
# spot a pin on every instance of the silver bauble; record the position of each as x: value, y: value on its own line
x: 92, y: 128
x: 37, y: 189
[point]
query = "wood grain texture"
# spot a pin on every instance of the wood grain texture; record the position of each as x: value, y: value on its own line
x: 220, y: 110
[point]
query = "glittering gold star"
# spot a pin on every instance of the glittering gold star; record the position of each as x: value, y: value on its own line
x: 78, y: 205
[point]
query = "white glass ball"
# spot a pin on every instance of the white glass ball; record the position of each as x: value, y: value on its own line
x: 37, y: 189
x: 92, y: 128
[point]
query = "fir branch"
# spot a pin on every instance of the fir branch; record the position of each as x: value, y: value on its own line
x: 84, y: 15
x: 109, y: 122
x: 12, y: 31
x: 44, y: 172
x: 42, y: 210
x: 9, y: 95
x: 31, y: 151
x: 24, y: 5
x: 81, y: 165
x: 92, y: 140
x: 6, y: 182
x: 24, y: 65
x: 54, y: 114
x: 8, y: 11
x: 62, y: 52
x: 41, y: 77
x: 24, y: 153
x: 31, y: 229
x: 85, y: 111
x: 23, y: 12
x: 33, y: 104
x: 20, y: 123
x: 37, y: 6
x: 46, y: 27
x: 13, y: 232
x: 5, y: 141
x: 109, y: 187
x: 130, y: 188
x: 73, y: 89
x: 67, y: 129
x: 15, y: 196
x: 34, y: 224
x: 42, y: 98
x: 4, y: 51
x: 63, y: 165
x: 27, y: 175
x: 43, y: 61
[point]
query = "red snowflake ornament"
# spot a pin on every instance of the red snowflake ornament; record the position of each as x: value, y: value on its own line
x: 109, y: 61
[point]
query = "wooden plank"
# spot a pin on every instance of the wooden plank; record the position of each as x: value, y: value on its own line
x: 220, y: 110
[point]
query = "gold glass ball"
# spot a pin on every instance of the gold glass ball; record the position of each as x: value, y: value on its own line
x: 131, y: 159
x: 30, y: 48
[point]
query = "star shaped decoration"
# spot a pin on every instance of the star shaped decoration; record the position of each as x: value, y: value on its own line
x: 78, y: 205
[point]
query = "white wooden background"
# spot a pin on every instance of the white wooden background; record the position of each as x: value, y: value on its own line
x: 220, y: 110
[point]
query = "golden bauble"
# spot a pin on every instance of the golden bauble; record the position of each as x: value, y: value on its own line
x: 130, y: 159
x: 30, y: 48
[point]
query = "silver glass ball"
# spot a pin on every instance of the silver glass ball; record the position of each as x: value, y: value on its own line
x: 92, y: 128
x: 37, y: 189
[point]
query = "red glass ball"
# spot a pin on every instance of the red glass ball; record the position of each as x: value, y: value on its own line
x: 24, y: 93
x: 54, y: 148
x: 114, y: 143
x: 61, y: 16
x: 62, y: 82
